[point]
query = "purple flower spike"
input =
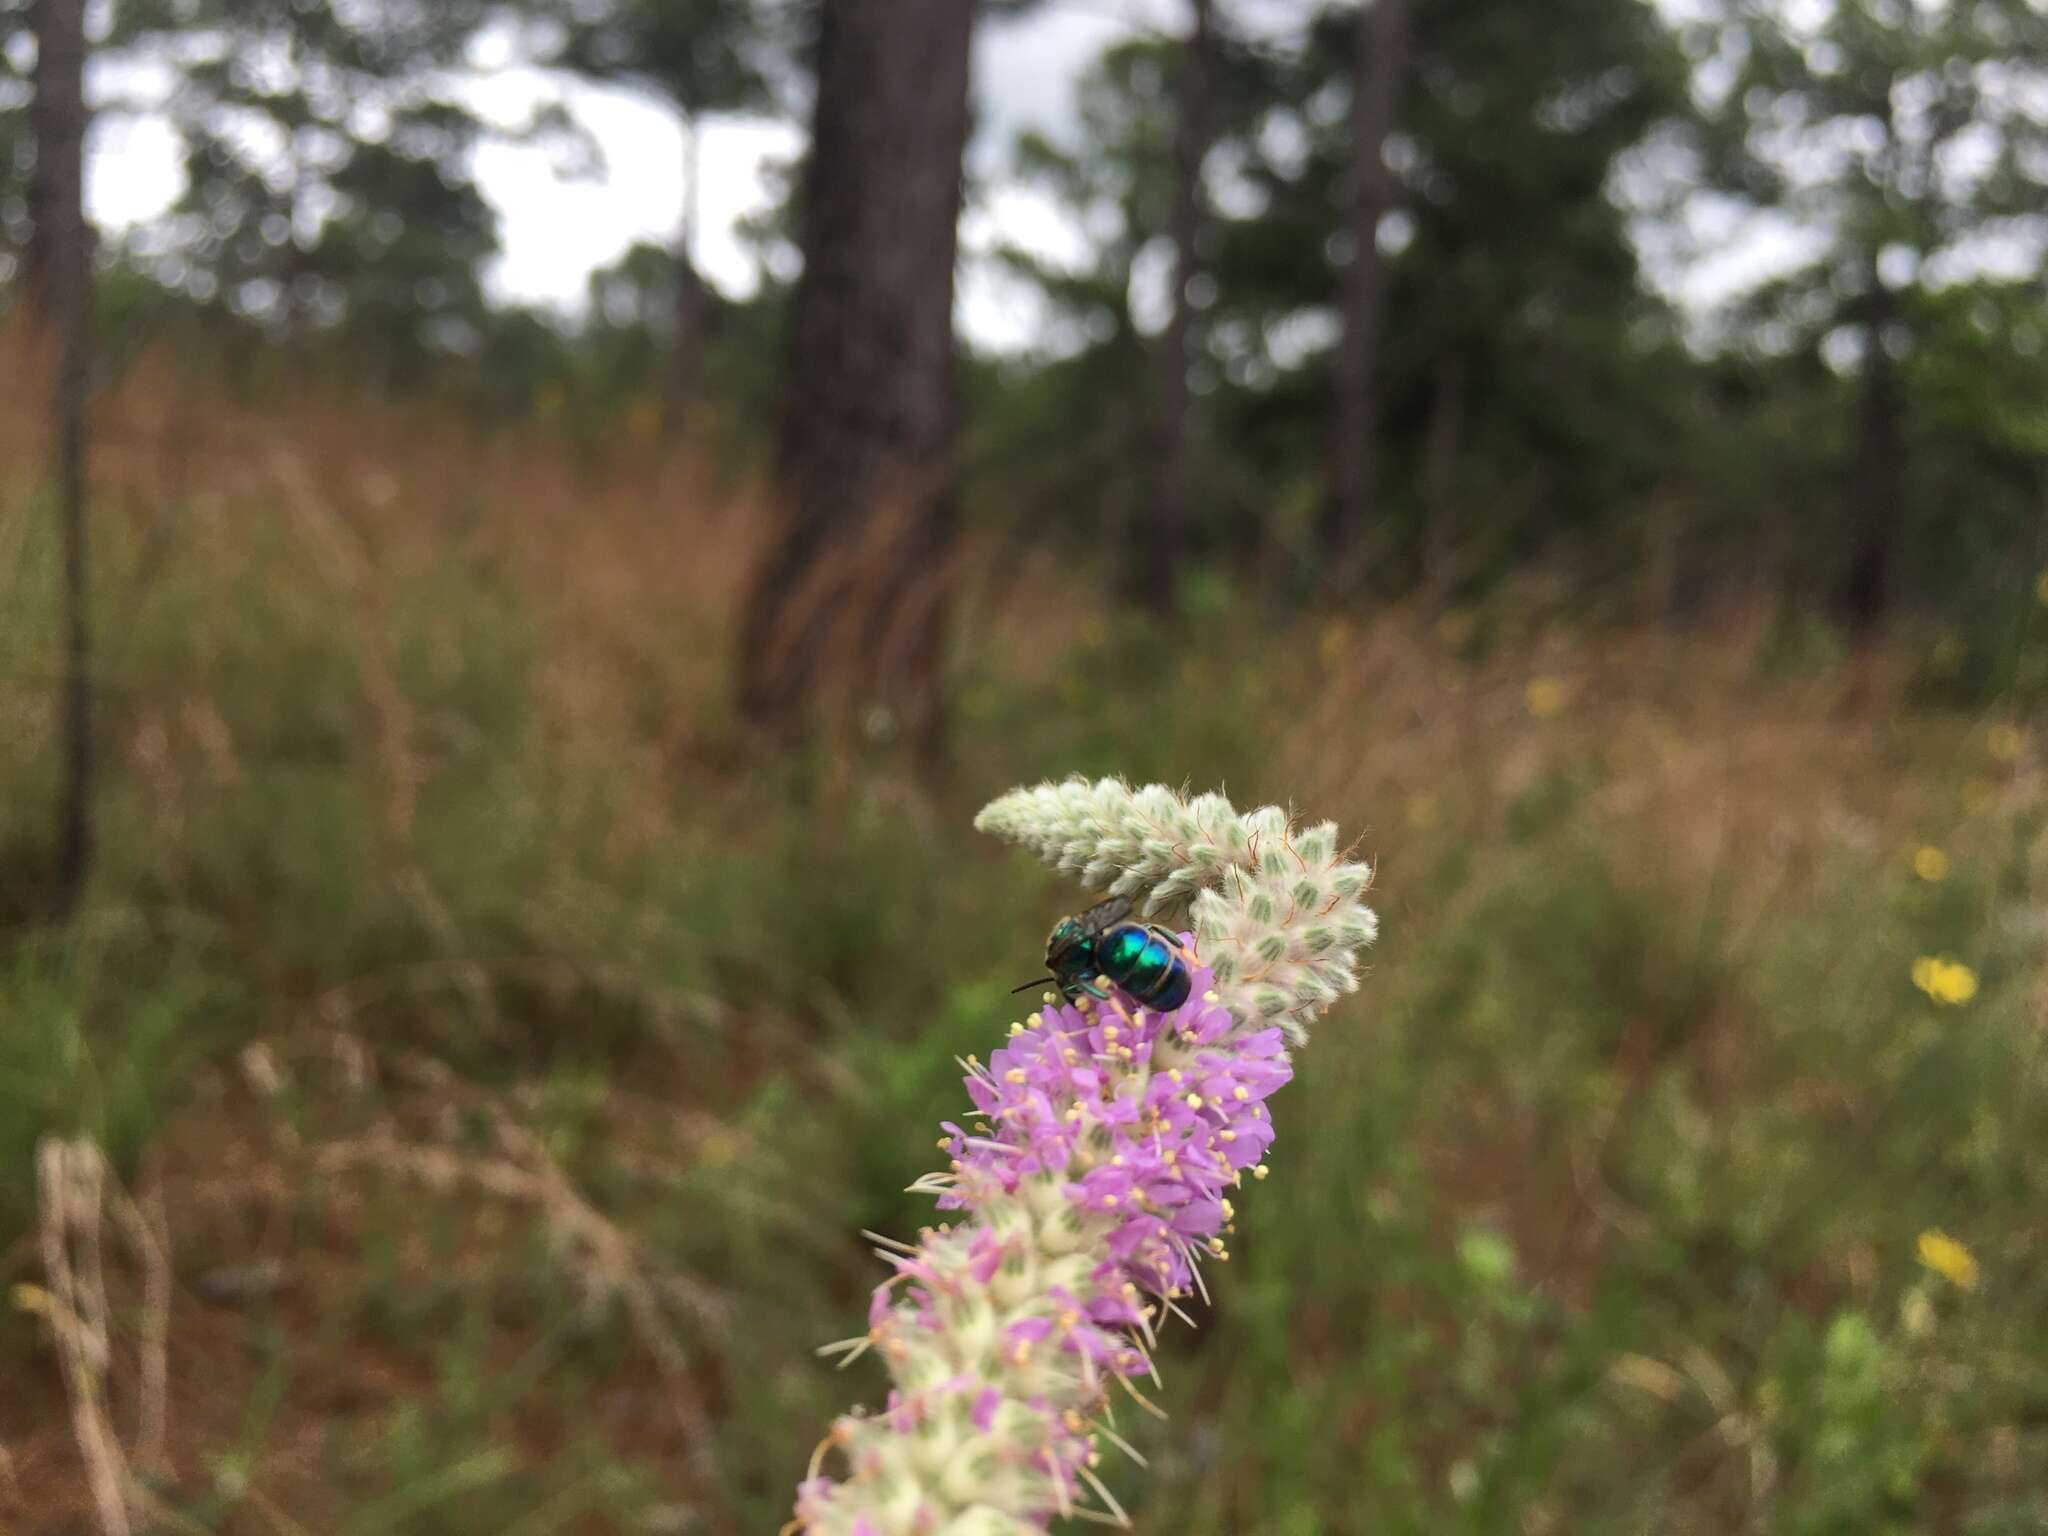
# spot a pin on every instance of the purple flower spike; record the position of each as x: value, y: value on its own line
x: 1094, y: 1174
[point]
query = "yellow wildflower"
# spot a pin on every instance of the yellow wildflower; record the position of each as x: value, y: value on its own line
x: 718, y: 1148
x: 1456, y: 627
x: 1931, y: 865
x: 1336, y: 642
x: 1958, y: 984
x: 1945, y: 980
x: 30, y: 1298
x: 2003, y: 742
x: 643, y: 420
x: 1948, y: 1258
x: 1545, y: 696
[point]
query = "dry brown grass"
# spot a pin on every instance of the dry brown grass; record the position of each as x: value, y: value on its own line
x: 341, y: 1167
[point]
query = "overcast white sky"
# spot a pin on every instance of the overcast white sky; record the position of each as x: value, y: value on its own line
x: 556, y: 230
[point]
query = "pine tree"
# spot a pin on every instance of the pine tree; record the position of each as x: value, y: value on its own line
x: 59, y: 283
x: 1379, y: 67
x: 1165, y: 550
x: 848, y: 605
x: 1906, y: 139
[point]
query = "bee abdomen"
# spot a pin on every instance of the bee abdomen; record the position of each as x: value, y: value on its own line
x: 1144, y: 965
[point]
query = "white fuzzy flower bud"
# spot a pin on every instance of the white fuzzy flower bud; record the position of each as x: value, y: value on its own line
x: 1277, y: 913
x: 1003, y: 1334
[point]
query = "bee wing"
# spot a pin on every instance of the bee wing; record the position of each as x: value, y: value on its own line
x: 1104, y: 915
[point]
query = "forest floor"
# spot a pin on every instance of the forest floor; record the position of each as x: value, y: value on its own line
x: 503, y: 1068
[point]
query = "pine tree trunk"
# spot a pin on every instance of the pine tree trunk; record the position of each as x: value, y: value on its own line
x: 1161, y: 555
x: 1875, y: 489
x: 686, y: 347
x: 1380, y: 63
x: 685, y: 350
x: 60, y: 297
x: 848, y: 607
x: 1440, y: 475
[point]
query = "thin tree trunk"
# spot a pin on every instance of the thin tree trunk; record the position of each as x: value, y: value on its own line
x: 60, y: 275
x: 685, y: 350
x: 1379, y: 65
x: 1875, y: 489
x: 1158, y: 576
x: 1440, y: 474
x: 848, y: 605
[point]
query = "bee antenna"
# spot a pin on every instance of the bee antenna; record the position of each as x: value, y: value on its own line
x: 1030, y: 984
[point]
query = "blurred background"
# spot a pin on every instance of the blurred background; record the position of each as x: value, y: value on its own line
x: 528, y: 528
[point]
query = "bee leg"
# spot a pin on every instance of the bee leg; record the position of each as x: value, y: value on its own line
x: 1095, y: 989
x: 1124, y: 1014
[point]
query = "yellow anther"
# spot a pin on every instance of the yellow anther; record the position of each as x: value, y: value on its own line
x: 1226, y: 1134
x: 1260, y: 1171
x: 1194, y: 1101
x: 1240, y: 1094
x: 1110, y: 1032
x: 1017, y: 1075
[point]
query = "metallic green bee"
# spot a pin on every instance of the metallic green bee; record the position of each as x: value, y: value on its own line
x: 1098, y: 945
